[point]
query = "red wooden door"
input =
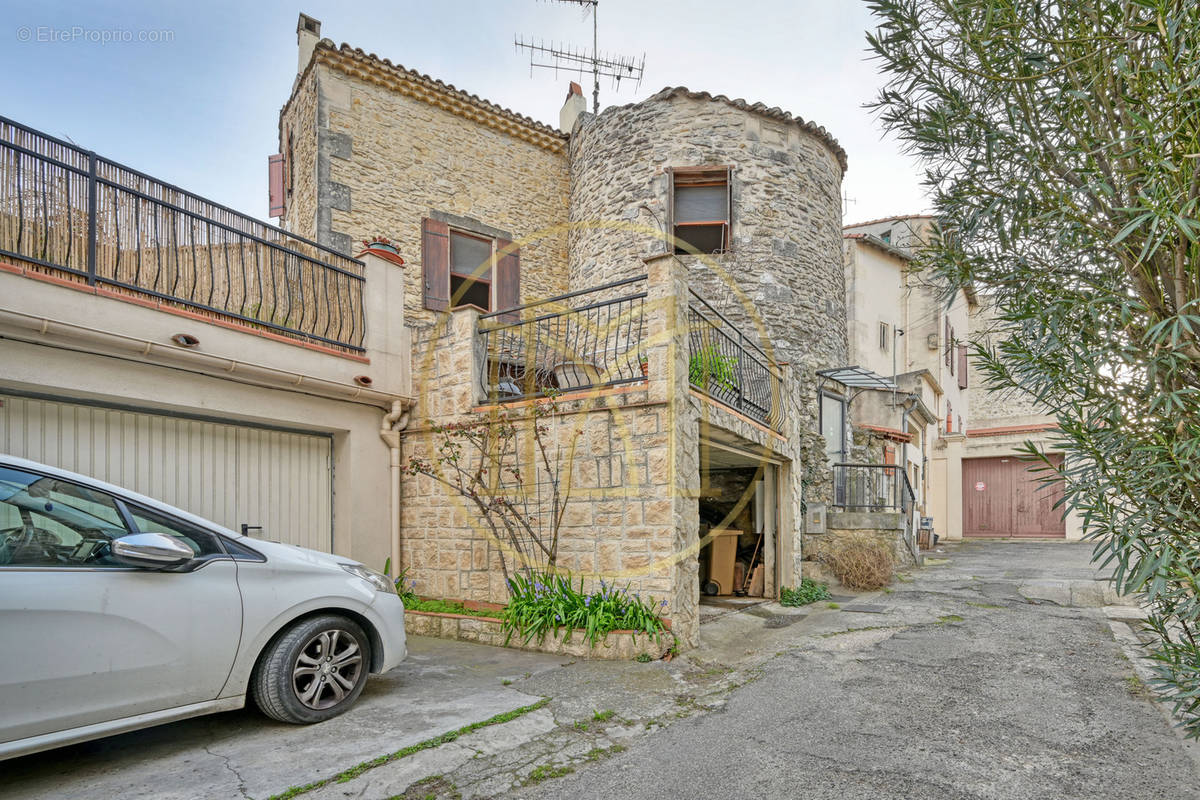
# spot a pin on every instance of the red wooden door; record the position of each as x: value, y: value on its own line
x: 1002, y: 498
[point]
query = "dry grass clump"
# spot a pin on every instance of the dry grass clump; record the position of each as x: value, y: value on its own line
x: 860, y: 562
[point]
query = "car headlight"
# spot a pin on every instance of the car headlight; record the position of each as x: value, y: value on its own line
x: 381, y: 582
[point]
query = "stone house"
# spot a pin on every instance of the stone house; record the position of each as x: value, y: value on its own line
x: 669, y: 269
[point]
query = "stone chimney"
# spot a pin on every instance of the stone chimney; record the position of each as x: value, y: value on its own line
x: 308, y: 33
x: 572, y: 108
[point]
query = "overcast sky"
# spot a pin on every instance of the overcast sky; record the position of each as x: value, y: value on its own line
x: 201, y: 110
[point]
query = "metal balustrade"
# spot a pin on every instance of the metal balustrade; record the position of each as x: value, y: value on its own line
x: 67, y: 211
x: 726, y: 365
x: 580, y: 340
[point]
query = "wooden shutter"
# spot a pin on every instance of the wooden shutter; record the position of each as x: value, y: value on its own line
x: 962, y: 366
x: 275, y: 185
x: 435, y: 263
x: 506, y: 279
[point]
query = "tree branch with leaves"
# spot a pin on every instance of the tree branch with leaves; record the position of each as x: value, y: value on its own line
x: 1061, y: 143
x: 500, y: 463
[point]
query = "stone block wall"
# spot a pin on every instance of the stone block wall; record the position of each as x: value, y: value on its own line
x: 633, y: 456
x: 388, y: 149
x: 298, y: 122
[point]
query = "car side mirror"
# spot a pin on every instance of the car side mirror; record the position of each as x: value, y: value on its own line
x: 150, y: 550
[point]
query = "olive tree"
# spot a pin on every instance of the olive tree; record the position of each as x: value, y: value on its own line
x: 1061, y: 145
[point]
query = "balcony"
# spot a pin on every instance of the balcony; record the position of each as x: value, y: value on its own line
x: 72, y: 214
x: 724, y: 364
x: 587, y: 339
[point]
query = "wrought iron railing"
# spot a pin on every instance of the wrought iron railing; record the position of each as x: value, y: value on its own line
x: 581, y: 340
x: 872, y: 487
x: 877, y: 487
x: 70, y: 212
x: 730, y: 368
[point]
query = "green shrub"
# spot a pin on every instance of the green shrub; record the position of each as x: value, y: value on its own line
x: 809, y: 591
x: 707, y: 364
x: 541, y: 603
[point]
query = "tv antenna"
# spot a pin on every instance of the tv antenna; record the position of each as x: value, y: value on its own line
x: 572, y: 59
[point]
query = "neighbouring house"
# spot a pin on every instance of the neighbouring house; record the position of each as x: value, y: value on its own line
x: 669, y: 269
x: 1002, y: 496
x: 903, y: 325
x: 962, y: 462
x: 167, y: 344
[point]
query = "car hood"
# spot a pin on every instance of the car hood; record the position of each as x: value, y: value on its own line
x: 296, y: 554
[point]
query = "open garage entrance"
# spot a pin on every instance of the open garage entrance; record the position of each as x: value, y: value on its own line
x: 1003, y: 498
x: 739, y: 521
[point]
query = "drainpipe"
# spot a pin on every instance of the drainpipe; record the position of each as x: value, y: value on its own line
x: 393, y: 423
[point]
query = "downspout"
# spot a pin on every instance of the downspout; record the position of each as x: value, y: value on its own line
x: 393, y: 423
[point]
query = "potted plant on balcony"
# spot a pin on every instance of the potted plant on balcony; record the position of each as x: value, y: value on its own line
x: 380, y: 243
x: 707, y: 365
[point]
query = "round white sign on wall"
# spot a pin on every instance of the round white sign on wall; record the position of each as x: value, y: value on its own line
x: 980, y: 486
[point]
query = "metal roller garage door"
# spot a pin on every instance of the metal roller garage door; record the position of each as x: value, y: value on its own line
x: 230, y: 473
x: 1002, y: 498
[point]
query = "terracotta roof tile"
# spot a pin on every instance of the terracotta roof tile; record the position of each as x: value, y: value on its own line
x: 347, y: 55
x: 774, y: 112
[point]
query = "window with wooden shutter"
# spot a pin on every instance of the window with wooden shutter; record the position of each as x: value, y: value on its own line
x: 275, y: 185
x: 962, y: 366
x: 508, y: 278
x: 435, y: 263
x: 470, y: 271
x: 700, y: 203
x: 949, y: 417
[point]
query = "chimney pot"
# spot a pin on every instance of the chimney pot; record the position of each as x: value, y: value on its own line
x: 308, y: 33
x: 572, y: 108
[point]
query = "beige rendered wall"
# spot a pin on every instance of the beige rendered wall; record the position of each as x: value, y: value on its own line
x: 66, y: 340
x: 874, y: 294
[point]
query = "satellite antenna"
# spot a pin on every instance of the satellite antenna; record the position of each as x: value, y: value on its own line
x: 572, y: 59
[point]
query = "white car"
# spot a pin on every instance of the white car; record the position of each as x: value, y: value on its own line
x: 118, y: 612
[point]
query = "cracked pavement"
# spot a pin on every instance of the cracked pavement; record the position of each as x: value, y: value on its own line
x: 992, y: 674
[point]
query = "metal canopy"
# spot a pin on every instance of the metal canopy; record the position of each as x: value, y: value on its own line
x: 858, y: 378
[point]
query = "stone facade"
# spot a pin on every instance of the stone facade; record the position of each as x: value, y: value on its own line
x: 389, y: 147
x: 781, y: 281
x: 382, y: 147
x: 632, y: 514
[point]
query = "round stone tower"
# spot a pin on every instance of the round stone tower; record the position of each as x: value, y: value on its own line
x: 778, y: 274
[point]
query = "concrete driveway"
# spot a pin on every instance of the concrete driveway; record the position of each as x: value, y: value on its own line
x: 442, y: 687
x: 995, y: 673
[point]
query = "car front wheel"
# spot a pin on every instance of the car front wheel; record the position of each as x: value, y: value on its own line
x: 315, y: 670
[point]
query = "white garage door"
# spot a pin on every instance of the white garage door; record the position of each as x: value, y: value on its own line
x: 231, y: 474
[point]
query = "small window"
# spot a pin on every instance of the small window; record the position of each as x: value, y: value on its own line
x: 833, y: 427
x: 291, y: 164
x: 700, y: 210
x: 949, y: 418
x: 883, y: 336
x: 886, y: 236
x: 470, y: 271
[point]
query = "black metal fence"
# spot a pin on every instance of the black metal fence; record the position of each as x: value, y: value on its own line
x: 581, y: 340
x: 727, y: 366
x: 872, y: 487
x: 68, y: 211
